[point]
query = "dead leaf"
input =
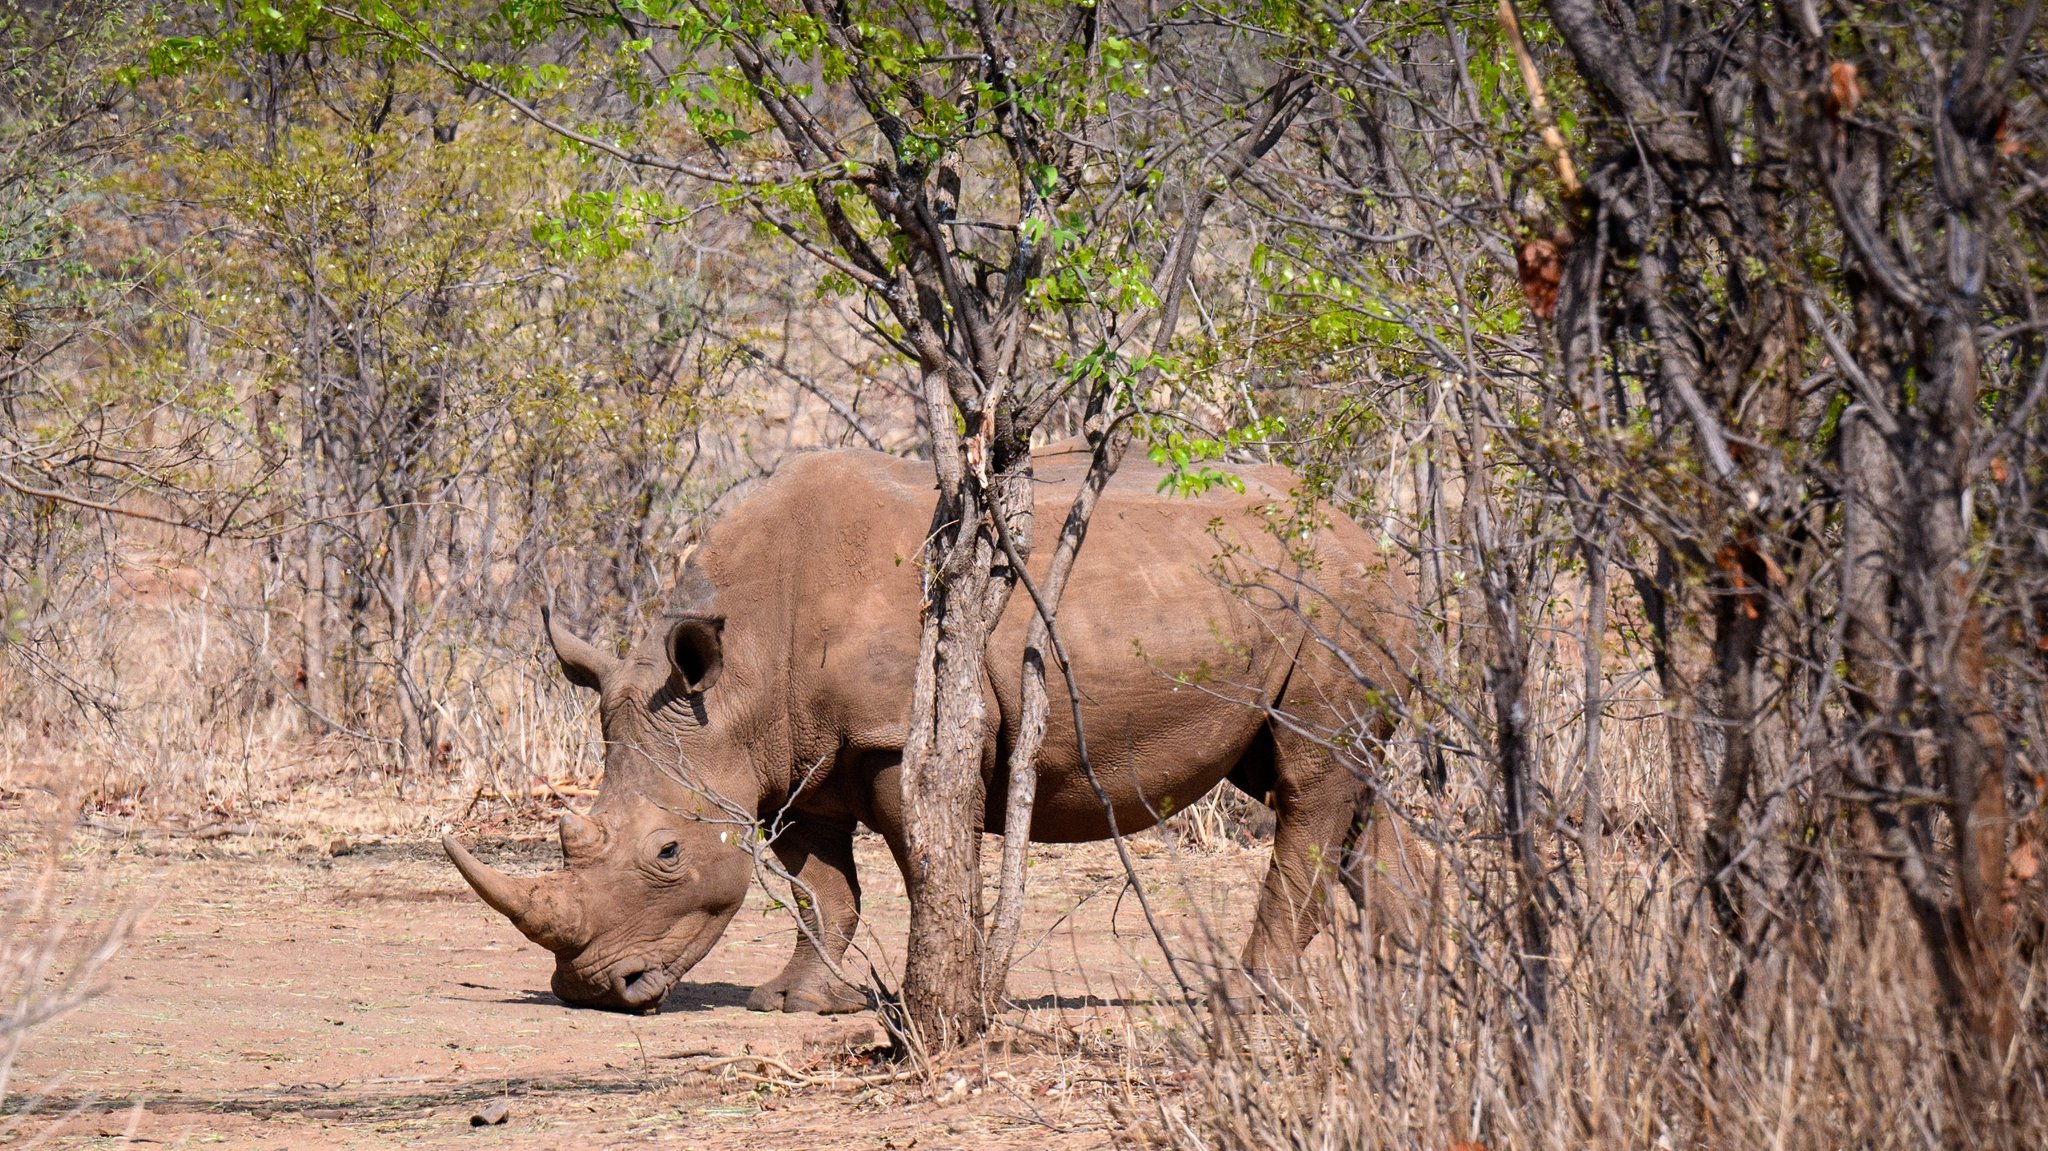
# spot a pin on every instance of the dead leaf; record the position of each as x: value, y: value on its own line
x: 1749, y: 569
x: 1539, y: 264
x: 2008, y: 144
x: 1843, y: 91
x: 2023, y: 863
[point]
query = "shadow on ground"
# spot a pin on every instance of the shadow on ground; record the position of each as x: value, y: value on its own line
x: 682, y: 998
x: 320, y: 1101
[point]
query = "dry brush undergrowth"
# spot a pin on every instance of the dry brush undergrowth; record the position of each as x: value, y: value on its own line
x: 1658, y: 1033
x: 177, y: 711
x: 1833, y: 1045
x: 1832, y: 1039
x: 60, y: 927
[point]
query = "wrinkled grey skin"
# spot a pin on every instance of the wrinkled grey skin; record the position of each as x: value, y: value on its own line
x: 780, y: 680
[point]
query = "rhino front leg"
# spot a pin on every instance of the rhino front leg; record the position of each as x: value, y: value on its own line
x: 820, y: 855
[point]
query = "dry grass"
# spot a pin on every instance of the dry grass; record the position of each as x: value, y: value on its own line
x: 59, y: 928
x: 186, y: 714
x: 1657, y: 1034
x: 1838, y: 1046
x: 1223, y: 818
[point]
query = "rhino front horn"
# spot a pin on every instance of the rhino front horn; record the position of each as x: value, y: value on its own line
x: 528, y: 903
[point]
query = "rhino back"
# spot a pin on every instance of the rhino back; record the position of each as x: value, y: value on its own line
x: 1183, y: 619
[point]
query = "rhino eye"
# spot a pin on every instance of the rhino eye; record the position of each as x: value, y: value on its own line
x: 668, y: 853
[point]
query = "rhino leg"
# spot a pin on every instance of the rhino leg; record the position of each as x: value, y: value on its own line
x: 1318, y: 802
x: 820, y: 855
x: 1387, y: 873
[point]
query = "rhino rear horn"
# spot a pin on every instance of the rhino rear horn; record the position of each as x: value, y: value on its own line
x: 582, y: 664
x: 580, y: 837
x: 696, y: 652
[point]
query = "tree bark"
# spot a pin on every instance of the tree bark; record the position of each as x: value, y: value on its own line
x: 1109, y: 440
x: 1592, y: 810
x: 947, y: 754
x: 1515, y: 750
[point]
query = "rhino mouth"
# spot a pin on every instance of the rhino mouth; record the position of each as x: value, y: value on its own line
x: 640, y: 985
x: 644, y: 989
x: 627, y: 987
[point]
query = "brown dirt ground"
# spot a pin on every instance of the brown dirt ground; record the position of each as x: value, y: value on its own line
x: 277, y: 994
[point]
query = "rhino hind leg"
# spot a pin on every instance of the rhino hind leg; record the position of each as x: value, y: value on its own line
x: 1387, y: 873
x: 820, y: 856
x: 1319, y: 803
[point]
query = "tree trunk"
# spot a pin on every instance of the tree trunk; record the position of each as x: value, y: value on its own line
x: 315, y: 477
x: 1040, y: 641
x: 313, y: 621
x: 1592, y: 811
x: 1681, y: 662
x: 1742, y: 610
x: 951, y: 733
x: 1967, y: 730
x: 1515, y: 751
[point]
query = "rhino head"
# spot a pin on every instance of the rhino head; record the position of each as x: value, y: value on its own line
x: 656, y: 870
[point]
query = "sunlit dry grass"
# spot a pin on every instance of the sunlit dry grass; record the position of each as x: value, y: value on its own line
x: 189, y: 712
x: 59, y: 929
x: 1658, y: 1034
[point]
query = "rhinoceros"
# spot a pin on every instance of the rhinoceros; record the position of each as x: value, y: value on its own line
x: 1206, y: 646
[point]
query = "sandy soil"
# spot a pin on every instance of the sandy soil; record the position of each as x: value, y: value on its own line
x: 276, y: 995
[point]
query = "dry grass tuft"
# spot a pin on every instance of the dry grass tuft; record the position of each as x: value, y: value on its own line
x: 188, y: 712
x: 59, y: 928
x: 1833, y: 1044
x: 1658, y: 1034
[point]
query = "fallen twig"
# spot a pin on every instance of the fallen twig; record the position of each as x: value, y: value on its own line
x: 214, y: 830
x: 791, y: 1077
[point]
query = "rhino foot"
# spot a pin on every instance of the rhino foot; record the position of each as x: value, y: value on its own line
x: 1253, y: 991
x: 834, y: 999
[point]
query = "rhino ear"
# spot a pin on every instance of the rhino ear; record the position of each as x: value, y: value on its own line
x: 696, y: 652
x: 582, y: 664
